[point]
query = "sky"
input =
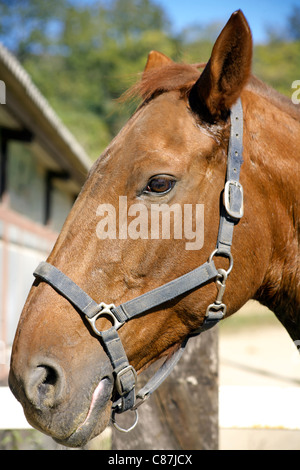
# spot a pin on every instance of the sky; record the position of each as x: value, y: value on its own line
x: 259, y: 13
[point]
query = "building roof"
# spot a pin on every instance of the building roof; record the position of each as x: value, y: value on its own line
x: 26, y: 103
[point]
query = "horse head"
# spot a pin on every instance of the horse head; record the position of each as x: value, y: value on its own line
x: 172, y: 152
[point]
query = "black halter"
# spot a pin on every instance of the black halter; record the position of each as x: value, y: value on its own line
x: 124, y: 373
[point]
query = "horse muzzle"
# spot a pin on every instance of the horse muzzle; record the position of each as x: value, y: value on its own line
x: 71, y: 419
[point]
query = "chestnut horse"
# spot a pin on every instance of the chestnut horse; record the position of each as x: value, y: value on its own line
x: 173, y: 149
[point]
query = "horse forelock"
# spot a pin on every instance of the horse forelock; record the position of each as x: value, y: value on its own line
x: 171, y: 77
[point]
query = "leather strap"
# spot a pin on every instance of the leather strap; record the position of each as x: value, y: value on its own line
x: 85, y: 304
x: 125, y: 376
x: 67, y: 288
x: 232, y: 207
x: 165, y: 293
x: 112, y: 344
x: 161, y: 374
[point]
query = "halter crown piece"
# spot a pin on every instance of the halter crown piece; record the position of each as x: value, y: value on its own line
x: 124, y: 374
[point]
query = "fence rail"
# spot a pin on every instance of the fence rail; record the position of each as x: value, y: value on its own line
x: 259, y: 407
x: 11, y: 412
x: 240, y: 407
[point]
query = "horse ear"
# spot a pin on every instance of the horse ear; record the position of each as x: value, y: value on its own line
x: 227, y: 71
x: 155, y: 60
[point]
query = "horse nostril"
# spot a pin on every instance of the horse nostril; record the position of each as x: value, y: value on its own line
x: 50, y: 375
x: 45, y: 385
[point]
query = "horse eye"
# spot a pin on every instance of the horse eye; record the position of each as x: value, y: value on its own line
x: 160, y: 185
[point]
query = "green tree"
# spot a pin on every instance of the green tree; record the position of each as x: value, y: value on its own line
x: 83, y: 57
x: 294, y: 24
x: 27, y: 26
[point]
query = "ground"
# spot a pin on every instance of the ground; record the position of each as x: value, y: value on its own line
x: 259, y: 383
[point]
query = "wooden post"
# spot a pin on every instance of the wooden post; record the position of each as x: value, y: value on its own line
x: 182, y: 414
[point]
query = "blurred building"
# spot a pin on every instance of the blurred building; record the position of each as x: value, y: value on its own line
x: 42, y: 168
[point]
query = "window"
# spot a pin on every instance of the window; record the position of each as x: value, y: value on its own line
x: 25, y: 182
x: 60, y: 205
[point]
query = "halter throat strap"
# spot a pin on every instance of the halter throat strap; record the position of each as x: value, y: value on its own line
x: 124, y: 373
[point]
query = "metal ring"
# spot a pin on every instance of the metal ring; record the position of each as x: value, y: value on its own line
x: 104, y: 310
x: 119, y: 428
x: 225, y: 254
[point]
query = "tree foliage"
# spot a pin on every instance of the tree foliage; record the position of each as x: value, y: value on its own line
x: 84, y: 55
x: 294, y: 24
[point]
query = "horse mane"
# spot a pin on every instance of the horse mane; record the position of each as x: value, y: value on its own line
x: 280, y: 101
x: 181, y: 77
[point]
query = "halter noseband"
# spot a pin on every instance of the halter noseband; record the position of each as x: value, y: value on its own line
x: 124, y: 374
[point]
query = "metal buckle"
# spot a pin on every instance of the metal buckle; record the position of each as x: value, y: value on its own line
x: 119, y: 375
x: 230, y: 195
x: 217, y: 310
x: 213, y: 311
x: 104, y: 310
x: 141, y: 400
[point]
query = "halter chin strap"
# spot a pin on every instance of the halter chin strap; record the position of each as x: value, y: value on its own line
x: 124, y: 373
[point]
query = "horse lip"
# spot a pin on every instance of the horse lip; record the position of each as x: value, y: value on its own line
x: 85, y: 431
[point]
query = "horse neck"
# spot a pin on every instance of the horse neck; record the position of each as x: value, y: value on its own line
x: 275, y: 155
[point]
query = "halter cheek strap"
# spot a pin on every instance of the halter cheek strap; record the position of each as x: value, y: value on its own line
x: 124, y: 373
x: 233, y: 205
